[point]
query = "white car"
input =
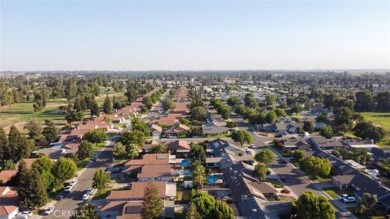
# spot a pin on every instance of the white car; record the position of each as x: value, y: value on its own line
x: 342, y: 197
x: 48, y: 210
x: 88, y: 193
x: 27, y: 213
x: 73, y: 182
x: 350, y: 199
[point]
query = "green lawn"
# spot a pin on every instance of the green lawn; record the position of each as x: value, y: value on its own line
x: 335, y: 192
x: 382, y: 119
x: 101, y: 194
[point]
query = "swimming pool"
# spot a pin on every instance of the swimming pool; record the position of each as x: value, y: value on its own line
x: 213, y: 178
x: 184, y: 163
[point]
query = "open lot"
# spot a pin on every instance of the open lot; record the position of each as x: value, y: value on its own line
x: 382, y: 119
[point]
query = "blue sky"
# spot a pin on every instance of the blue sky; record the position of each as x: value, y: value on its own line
x: 194, y: 35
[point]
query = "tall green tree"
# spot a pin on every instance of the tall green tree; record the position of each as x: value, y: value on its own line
x: 199, y: 113
x: 383, y: 101
x: 367, y: 130
x: 308, y: 126
x: 242, y: 136
x: 5, y: 151
x: 326, y: 131
x: 31, y: 191
x: 316, y: 166
x: 107, y: 106
x: 101, y: 180
x: 94, y: 108
x: 152, y: 206
x: 192, y: 212
x: 64, y: 169
x: 366, y: 203
x: 311, y: 206
x: 222, y: 211
x: 260, y: 171
x: 85, y: 150
x: 50, y: 133
x: 34, y: 128
x: 134, y: 137
x: 265, y: 156
x: 271, y: 117
x: 198, y: 173
x: 95, y: 136
x: 364, y: 100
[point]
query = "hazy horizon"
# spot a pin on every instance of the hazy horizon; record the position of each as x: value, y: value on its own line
x: 194, y: 36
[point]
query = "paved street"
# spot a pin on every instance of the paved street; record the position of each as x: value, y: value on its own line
x: 295, y: 179
x: 64, y: 207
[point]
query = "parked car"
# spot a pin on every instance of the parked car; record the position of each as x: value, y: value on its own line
x: 60, y: 196
x: 73, y: 182
x: 350, y: 199
x: 48, y: 210
x: 88, y: 193
x: 342, y: 197
x: 27, y: 213
x: 283, y: 179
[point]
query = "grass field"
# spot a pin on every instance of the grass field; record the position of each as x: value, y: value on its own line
x: 20, y: 113
x: 382, y: 119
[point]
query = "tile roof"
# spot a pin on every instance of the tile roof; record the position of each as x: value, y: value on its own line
x: 150, y: 159
x: 153, y: 171
x: 136, y: 192
x: 179, y: 145
x: 7, y: 175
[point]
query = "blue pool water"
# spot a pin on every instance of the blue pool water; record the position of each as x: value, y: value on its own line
x: 184, y: 163
x: 211, y: 179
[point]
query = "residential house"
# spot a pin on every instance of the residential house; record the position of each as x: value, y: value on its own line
x: 8, y: 202
x: 156, y: 172
x: 179, y: 147
x: 243, y: 184
x: 322, y: 143
x: 358, y: 143
x: 211, y: 129
x: 156, y: 131
x: 149, y: 145
x: 342, y: 181
x: 176, y: 130
x: 294, y: 143
x: 180, y: 107
x: 282, y: 128
x: 136, y: 192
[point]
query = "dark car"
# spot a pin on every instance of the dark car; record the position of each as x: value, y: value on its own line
x: 283, y: 179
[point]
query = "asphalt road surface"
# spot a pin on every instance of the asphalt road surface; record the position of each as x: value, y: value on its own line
x: 65, y: 207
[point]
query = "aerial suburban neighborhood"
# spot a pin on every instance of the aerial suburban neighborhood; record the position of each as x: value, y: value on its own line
x: 245, y: 145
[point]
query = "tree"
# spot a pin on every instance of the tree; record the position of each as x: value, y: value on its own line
x: 85, y: 212
x: 326, y: 131
x: 315, y: 166
x: 138, y: 124
x: 298, y: 154
x: 34, y: 128
x: 64, y: 169
x: 366, y: 203
x: 364, y: 100
x: 119, y: 150
x: 308, y: 126
x: 152, y: 206
x: 107, y: 106
x: 343, y: 116
x: 43, y: 166
x: 198, y: 153
x: 296, y: 109
x: 222, y: 211
x: 5, y: 151
x: 265, y: 156
x: 167, y: 104
x: 383, y: 101
x: 199, y: 113
x: 8, y: 165
x: 322, y: 118
x: 249, y: 99
x: 271, y: 117
x: 101, y: 180
x: 95, y: 136
x: 94, y: 108
x: 16, y: 145
x: 270, y: 99
x: 135, y: 137
x: 85, y: 150
x: 231, y: 124
x: 225, y: 112
x: 311, y: 206
x: 242, y: 136
x: 280, y: 112
x: 192, y: 212
x: 160, y: 149
x: 260, y: 171
x: 31, y: 192
x: 233, y: 101
x: 204, y: 204
x: 50, y: 133
x: 198, y: 173
x: 367, y: 130
x: 147, y: 101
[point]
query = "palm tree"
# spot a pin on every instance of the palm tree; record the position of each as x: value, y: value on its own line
x: 198, y: 173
